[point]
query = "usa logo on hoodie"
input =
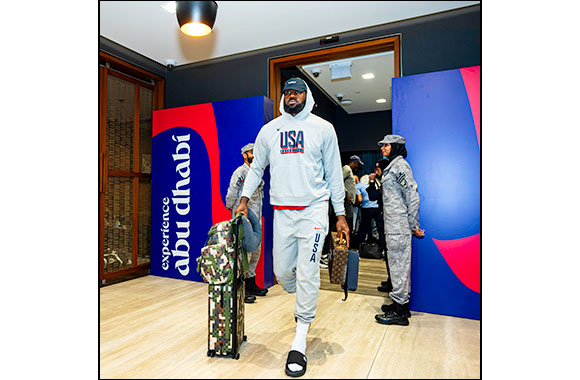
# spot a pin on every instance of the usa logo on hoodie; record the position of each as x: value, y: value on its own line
x: 291, y: 142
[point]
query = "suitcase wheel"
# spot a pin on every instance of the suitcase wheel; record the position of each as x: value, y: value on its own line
x: 245, y: 338
x: 237, y: 356
x: 211, y: 353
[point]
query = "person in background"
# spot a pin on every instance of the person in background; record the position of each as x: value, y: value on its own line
x: 349, y: 179
x: 401, y: 217
x: 302, y: 151
x: 354, y: 163
x: 370, y: 211
x: 375, y: 195
x: 356, y: 212
x: 255, y: 204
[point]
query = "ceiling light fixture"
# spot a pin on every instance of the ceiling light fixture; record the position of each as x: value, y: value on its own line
x: 368, y: 76
x: 196, y: 18
x: 381, y: 100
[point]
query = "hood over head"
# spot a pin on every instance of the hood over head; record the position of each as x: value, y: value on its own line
x: 308, y: 106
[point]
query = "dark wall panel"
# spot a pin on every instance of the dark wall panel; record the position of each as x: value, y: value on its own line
x: 132, y: 57
x: 360, y: 132
x: 443, y: 43
x: 226, y: 80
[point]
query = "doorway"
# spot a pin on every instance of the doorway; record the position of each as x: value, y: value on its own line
x: 375, y: 46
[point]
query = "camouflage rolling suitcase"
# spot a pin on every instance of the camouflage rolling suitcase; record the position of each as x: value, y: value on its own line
x: 223, y: 264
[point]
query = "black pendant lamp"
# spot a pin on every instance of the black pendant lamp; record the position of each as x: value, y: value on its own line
x: 196, y: 18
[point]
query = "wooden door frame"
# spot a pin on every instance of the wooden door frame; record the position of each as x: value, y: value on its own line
x: 141, y: 78
x: 275, y: 65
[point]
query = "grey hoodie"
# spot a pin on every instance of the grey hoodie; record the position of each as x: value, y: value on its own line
x: 304, y: 160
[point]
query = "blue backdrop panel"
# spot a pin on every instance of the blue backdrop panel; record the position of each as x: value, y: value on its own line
x: 195, y: 151
x: 164, y: 178
x: 233, y: 134
x: 432, y: 111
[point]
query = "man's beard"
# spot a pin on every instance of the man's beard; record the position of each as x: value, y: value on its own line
x: 250, y: 160
x: 295, y: 109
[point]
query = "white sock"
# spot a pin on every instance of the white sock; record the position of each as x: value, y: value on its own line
x: 299, y: 342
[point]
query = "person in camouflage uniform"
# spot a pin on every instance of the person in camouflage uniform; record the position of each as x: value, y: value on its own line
x: 401, y: 215
x: 255, y: 204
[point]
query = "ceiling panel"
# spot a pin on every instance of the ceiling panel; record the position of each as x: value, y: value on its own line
x: 241, y: 26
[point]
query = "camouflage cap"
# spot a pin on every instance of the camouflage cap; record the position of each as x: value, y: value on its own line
x: 247, y: 147
x: 392, y: 139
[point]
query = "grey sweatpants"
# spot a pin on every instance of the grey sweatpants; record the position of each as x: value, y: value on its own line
x: 298, y: 240
x: 399, y: 256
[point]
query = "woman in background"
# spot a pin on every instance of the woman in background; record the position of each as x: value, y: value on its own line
x: 401, y: 216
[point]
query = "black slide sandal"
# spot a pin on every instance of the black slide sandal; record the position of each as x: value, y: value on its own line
x: 296, y: 357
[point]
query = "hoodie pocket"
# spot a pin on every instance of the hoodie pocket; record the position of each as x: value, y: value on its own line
x: 293, y: 182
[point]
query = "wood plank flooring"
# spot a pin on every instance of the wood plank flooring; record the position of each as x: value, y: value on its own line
x: 370, y: 274
x: 155, y: 327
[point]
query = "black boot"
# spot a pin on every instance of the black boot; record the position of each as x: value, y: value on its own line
x: 394, y: 317
x: 391, y: 307
x: 252, y: 288
x: 386, y: 286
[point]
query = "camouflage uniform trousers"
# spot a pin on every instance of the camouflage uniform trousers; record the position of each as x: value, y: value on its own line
x: 399, y: 256
x: 253, y: 258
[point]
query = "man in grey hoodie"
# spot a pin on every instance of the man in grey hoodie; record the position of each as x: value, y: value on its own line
x: 302, y: 151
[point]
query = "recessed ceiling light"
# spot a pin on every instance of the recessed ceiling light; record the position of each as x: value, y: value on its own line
x: 169, y: 7
x: 381, y: 100
x: 368, y: 76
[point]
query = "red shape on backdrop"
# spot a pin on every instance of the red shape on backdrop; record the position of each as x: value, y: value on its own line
x: 472, y: 81
x: 464, y: 258
x: 201, y: 119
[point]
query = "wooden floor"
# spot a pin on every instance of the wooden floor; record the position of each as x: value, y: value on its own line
x: 370, y: 274
x: 155, y: 327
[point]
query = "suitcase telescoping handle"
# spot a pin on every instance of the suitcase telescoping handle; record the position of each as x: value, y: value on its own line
x: 237, y: 245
